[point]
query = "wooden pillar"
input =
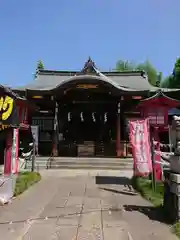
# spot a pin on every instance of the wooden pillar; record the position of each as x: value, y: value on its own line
x: 118, y: 132
x: 157, y: 157
x: 8, y: 152
x: 55, y: 138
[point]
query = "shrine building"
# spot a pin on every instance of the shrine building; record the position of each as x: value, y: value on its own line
x: 86, y: 113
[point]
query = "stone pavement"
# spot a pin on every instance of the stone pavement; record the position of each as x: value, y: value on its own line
x: 82, y: 204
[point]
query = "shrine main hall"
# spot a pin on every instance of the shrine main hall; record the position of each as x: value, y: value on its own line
x: 86, y: 113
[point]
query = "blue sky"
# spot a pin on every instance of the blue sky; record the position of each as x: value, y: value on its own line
x: 63, y: 33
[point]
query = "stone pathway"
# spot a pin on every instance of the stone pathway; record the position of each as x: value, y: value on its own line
x: 79, y: 205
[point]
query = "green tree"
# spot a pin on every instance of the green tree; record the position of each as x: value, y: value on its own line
x: 165, y: 83
x: 175, y: 80
x: 153, y: 76
x: 122, y: 66
x: 158, y: 82
x: 40, y: 65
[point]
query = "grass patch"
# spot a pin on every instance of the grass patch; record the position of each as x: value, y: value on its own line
x: 144, y: 187
x: 176, y: 229
x: 25, y: 180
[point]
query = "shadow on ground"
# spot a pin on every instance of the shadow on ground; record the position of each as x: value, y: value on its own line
x: 153, y: 213
x: 128, y: 191
x: 112, y: 180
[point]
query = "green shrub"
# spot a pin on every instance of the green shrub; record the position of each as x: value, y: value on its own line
x: 25, y: 180
x: 176, y: 229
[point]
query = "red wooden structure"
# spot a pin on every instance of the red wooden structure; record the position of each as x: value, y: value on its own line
x: 14, y: 112
x: 156, y: 109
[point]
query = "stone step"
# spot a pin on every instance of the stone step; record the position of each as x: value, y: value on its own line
x: 87, y: 161
x: 87, y: 166
x: 83, y: 166
x: 38, y: 159
x: 90, y: 163
x: 84, y: 163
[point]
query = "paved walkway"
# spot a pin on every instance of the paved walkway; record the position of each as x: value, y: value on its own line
x: 78, y: 205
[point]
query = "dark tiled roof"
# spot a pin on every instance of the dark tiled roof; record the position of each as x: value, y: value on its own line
x: 174, y: 111
x: 9, y: 92
x: 48, y: 80
x: 160, y: 94
x: 126, y: 81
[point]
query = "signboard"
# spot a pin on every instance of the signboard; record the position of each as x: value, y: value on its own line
x: 87, y: 86
x: 139, y: 139
x: 157, y: 117
x: 3, y: 127
x: 35, y: 134
x: 8, y: 112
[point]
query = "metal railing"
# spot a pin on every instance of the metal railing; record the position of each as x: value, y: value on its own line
x: 49, y: 161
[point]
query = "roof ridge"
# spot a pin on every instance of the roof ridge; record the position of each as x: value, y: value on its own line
x: 72, y: 73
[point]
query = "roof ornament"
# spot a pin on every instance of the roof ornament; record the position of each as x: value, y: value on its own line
x: 88, y: 66
x: 144, y: 75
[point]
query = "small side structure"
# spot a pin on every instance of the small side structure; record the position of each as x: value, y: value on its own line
x: 156, y: 108
x: 14, y: 111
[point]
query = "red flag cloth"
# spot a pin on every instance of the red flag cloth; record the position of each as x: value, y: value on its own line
x: 139, y: 139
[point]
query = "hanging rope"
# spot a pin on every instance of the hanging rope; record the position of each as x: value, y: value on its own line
x: 93, y: 117
x: 82, y: 117
x: 69, y: 116
x: 105, y: 117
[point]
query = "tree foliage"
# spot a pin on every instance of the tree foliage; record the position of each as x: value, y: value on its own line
x: 122, y: 66
x: 153, y: 76
x: 166, y: 82
x: 40, y: 65
x: 173, y: 81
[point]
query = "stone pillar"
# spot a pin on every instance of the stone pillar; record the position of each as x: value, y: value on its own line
x: 118, y: 132
x: 172, y: 198
x: 175, y: 160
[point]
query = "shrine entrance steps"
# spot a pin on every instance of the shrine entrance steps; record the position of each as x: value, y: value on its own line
x: 84, y: 163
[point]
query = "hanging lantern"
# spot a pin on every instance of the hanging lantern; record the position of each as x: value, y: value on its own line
x: 93, y: 117
x: 105, y: 117
x: 82, y: 117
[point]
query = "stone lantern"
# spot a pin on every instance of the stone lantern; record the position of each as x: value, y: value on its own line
x: 172, y: 176
x: 175, y: 160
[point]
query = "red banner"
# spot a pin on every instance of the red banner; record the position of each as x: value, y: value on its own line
x: 139, y: 139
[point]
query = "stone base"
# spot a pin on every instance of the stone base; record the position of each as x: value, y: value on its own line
x: 55, y: 152
x: 173, y: 198
x: 175, y: 164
